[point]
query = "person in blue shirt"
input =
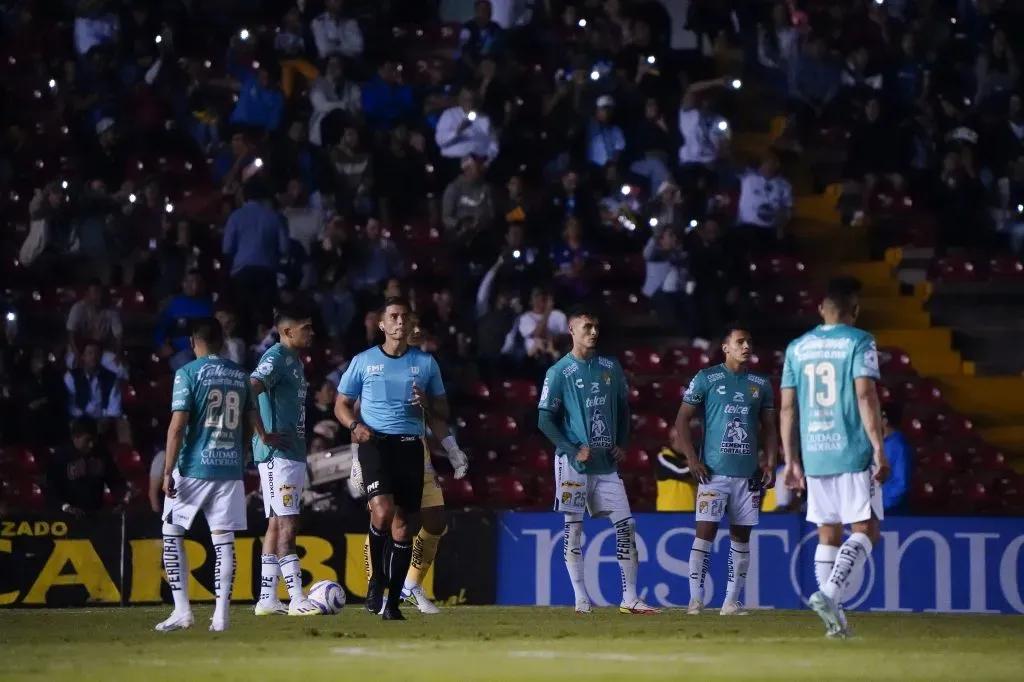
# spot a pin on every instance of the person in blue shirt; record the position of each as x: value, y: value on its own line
x: 211, y: 407
x: 605, y: 141
x: 398, y: 387
x: 260, y: 100
x: 900, y: 455
x: 172, y: 328
x: 386, y: 101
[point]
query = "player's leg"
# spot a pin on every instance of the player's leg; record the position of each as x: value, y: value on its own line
x: 178, y: 515
x: 270, y: 567
x: 711, y: 504
x: 571, y: 501
x: 608, y: 498
x: 377, y: 480
x: 225, y: 512
x: 286, y: 503
x: 407, y: 478
x: 424, y: 548
x: 823, y: 509
x: 744, y: 508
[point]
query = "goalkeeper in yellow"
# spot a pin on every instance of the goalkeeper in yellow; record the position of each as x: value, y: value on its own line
x: 432, y: 516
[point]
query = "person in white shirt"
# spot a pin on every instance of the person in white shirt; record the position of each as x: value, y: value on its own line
x: 93, y: 28
x: 666, y: 279
x: 332, y: 93
x: 463, y: 131
x: 541, y: 329
x: 334, y: 34
x: 704, y: 132
x: 765, y: 204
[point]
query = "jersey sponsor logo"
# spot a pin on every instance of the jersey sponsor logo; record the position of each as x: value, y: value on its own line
x: 375, y: 369
x: 818, y: 348
x: 871, y: 359
x: 597, y: 401
x: 717, y: 376
x: 823, y: 442
x: 737, y: 409
x: 414, y: 370
x: 754, y: 392
x: 605, y: 362
x: 818, y: 427
x: 721, y: 390
x: 373, y: 486
x: 595, y: 387
x: 178, y: 379
x: 606, y: 378
x: 570, y: 370
x: 755, y: 379
x: 736, y: 440
x: 600, y: 434
x: 545, y: 391
x: 738, y: 397
x: 579, y: 383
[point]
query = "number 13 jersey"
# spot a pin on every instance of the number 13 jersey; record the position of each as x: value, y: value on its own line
x: 822, y: 366
x: 215, y: 393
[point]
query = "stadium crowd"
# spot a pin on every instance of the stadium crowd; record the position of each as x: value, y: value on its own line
x: 166, y: 162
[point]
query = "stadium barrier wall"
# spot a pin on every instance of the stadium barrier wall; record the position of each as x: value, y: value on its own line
x: 932, y: 564
x: 111, y: 560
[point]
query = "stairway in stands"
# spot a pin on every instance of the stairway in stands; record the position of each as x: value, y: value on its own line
x: 895, y: 312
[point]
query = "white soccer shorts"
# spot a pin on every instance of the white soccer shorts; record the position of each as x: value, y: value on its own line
x: 222, y: 503
x: 843, y: 498
x: 282, y: 482
x: 599, y: 494
x: 728, y: 494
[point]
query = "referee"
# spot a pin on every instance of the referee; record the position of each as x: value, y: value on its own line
x: 394, y: 384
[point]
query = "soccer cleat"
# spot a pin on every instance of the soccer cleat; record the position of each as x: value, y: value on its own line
x: 638, y: 608
x: 270, y: 607
x: 392, y: 613
x: 374, y: 597
x: 733, y: 609
x: 218, y: 624
x: 829, y: 614
x: 695, y: 607
x: 418, y: 598
x: 176, y: 621
x: 844, y: 630
x: 584, y: 607
x: 303, y: 607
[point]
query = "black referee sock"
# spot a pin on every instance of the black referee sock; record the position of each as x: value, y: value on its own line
x: 398, y: 561
x: 378, y: 546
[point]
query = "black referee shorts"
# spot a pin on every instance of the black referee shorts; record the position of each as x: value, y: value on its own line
x: 393, y: 465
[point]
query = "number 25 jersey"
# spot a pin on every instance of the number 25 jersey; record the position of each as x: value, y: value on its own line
x: 215, y: 393
x: 822, y: 366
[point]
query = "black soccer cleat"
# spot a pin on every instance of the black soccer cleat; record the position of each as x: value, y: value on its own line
x: 374, y: 596
x: 392, y: 613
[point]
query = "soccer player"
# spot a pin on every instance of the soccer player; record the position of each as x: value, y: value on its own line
x: 279, y: 382
x: 203, y: 466
x: 433, y: 524
x: 832, y: 435
x: 729, y: 472
x: 584, y: 413
x: 394, y: 384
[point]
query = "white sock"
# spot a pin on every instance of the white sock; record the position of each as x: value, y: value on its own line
x: 270, y: 572
x: 572, y: 551
x: 700, y: 562
x: 176, y: 566
x: 626, y: 555
x: 739, y: 560
x: 223, y: 572
x: 824, y: 560
x: 852, y: 555
x: 292, y: 574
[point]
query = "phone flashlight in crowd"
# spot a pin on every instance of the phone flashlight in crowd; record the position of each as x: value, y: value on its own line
x: 258, y: 163
x: 63, y: 184
x: 595, y: 75
x: 52, y: 84
x: 159, y: 39
x: 879, y: 2
x: 625, y: 189
x: 152, y: 245
x: 582, y: 23
x: 471, y: 116
x: 244, y: 34
x: 517, y: 254
x: 967, y: 101
x: 132, y: 198
x: 723, y: 126
x: 693, y: 224
x: 736, y: 84
x: 653, y: 222
x: 952, y: 20
x: 1020, y: 208
x: 169, y: 207
x: 12, y: 317
x: 430, y: 168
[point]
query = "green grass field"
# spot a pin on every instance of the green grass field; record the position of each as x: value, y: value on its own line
x: 502, y: 643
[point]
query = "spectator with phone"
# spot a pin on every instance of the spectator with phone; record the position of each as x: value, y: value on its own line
x: 463, y: 131
x: 79, y: 472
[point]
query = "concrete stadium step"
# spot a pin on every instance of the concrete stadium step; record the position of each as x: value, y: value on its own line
x: 887, y: 312
x: 997, y: 401
x: 930, y: 349
x: 876, y: 277
x: 1008, y: 438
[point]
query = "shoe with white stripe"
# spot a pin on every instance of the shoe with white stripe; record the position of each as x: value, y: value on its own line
x: 418, y: 598
x: 733, y: 609
x: 270, y: 607
x: 303, y: 607
x: 583, y: 606
x: 828, y: 612
x: 176, y: 621
x: 218, y: 624
x: 638, y: 608
x: 695, y: 608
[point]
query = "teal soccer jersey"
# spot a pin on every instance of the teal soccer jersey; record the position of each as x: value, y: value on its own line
x: 589, y: 402
x: 822, y: 366
x: 215, y: 393
x: 733, y: 403
x: 282, y: 404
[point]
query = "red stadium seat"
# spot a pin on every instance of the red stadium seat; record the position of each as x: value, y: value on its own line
x: 650, y: 428
x: 986, y: 458
x: 687, y: 359
x: 19, y: 459
x: 505, y: 491
x: 624, y: 302
x: 479, y: 391
x: 953, y: 269
x: 641, y: 361
x: 517, y: 392
x: 531, y: 459
x: 129, y: 461
x: 484, y: 427
x: 457, y: 492
x: 1008, y: 269
x: 767, y: 362
x: 637, y: 460
x: 669, y: 392
x: 936, y: 460
x: 893, y: 360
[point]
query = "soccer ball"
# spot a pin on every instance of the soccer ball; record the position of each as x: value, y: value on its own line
x: 328, y: 596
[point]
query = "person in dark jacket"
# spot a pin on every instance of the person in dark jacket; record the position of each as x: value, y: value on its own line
x: 42, y: 402
x: 93, y: 390
x: 80, y: 471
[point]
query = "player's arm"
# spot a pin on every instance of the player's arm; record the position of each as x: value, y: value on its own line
x: 254, y: 421
x: 175, y: 437
x: 682, y: 443
x: 549, y: 407
x: 437, y: 412
x: 865, y: 376
x: 769, y: 439
x: 789, y: 425
x: 623, y: 422
x: 349, y: 389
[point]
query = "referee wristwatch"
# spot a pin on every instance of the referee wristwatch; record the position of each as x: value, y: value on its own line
x: 354, y: 424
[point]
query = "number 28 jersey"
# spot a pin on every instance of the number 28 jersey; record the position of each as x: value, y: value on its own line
x: 822, y: 366
x: 215, y: 393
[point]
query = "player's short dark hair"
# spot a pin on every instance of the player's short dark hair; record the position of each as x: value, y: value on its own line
x: 583, y: 311
x: 84, y: 426
x: 735, y: 326
x: 843, y: 293
x: 207, y: 330
x: 396, y: 300
x: 291, y: 313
